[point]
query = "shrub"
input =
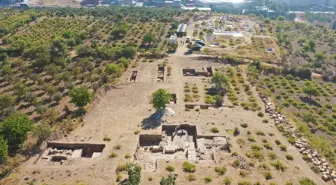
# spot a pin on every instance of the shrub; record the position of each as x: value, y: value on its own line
x: 207, y: 179
x: 236, y: 131
x: 106, y: 138
x: 265, y: 121
x: 119, y: 177
x: 117, y: 147
x: 264, y: 167
x: 291, y: 140
x: 227, y: 181
x: 283, y: 147
x: 170, y: 168
x: 150, y: 178
x: 220, y: 170
x: 234, y: 154
x: 306, y: 181
x: 260, y: 114
x: 268, y: 146
x: 235, y: 163
x: 244, y: 183
x: 120, y: 168
x: 188, y: 167
x: 272, y: 156
x: 127, y: 156
x: 214, y: 130
x: 113, y: 155
x: 137, y: 132
x: 289, y: 157
x: 251, y: 139
x: 191, y: 177
x: 256, y: 147
x: 244, y: 125
x: 256, y: 155
x: 305, y: 157
x: 243, y: 173
x: 260, y: 133
x: 279, y: 166
x: 277, y: 142
x: 268, y: 175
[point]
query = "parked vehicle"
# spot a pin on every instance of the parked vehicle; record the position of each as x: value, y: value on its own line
x: 200, y: 42
x: 188, y: 39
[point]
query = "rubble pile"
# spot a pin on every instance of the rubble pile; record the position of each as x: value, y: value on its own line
x: 327, y: 172
x: 242, y: 163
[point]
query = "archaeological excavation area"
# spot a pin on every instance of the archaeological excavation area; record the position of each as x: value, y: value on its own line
x: 180, y: 142
x: 59, y: 153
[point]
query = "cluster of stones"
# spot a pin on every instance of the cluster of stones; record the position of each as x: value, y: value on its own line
x: 242, y: 163
x: 327, y: 172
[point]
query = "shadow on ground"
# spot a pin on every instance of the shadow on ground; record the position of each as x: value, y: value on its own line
x: 310, y: 102
x: 153, y: 121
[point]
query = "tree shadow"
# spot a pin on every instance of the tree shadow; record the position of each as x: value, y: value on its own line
x: 310, y: 102
x: 153, y: 121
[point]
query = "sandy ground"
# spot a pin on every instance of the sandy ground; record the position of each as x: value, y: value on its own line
x: 121, y: 111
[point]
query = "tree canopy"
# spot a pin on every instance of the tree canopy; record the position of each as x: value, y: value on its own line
x: 148, y: 38
x: 81, y: 96
x: 15, y: 128
x: 220, y: 81
x: 160, y: 98
x: 310, y: 89
x: 170, y: 180
x: 134, y: 174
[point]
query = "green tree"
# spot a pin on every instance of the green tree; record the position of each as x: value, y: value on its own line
x: 170, y: 180
x: 6, y: 101
x: 219, y: 100
x: 81, y: 96
x: 3, y: 150
x: 220, y: 82
x: 160, y: 98
x: 311, y: 44
x: 3, y: 57
x: 310, y: 89
x: 113, y: 69
x: 120, y: 30
x: 134, y: 174
x: 291, y: 16
x: 148, y: 38
x: 306, y: 47
x: 281, y: 18
x: 15, y: 128
x: 124, y: 62
x: 58, y: 49
x: 334, y: 25
x: 128, y: 52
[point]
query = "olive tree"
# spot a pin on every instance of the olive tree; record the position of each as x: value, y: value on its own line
x: 15, y: 128
x: 220, y: 82
x: 310, y: 89
x: 81, y: 96
x: 160, y: 98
